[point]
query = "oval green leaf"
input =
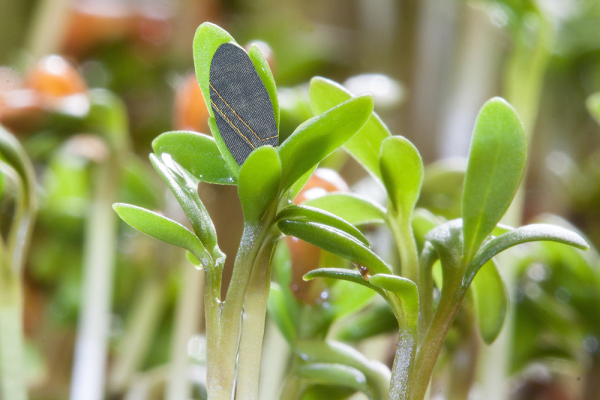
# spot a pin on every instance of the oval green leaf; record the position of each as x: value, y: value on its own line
x: 258, y: 182
x: 365, y: 145
x: 496, y: 164
x: 402, y: 174
x: 312, y: 214
x: 334, y: 241
x: 354, y: 209
x: 162, y: 228
x: 318, y: 137
x: 491, y: 301
x: 197, y: 153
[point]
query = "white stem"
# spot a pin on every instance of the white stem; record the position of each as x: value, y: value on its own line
x: 187, y: 318
x: 94, y: 320
x: 145, y: 317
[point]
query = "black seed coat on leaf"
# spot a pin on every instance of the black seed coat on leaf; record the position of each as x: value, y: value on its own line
x: 240, y: 102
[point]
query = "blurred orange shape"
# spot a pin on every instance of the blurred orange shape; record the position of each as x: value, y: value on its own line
x: 94, y: 23
x: 190, y: 111
x: 53, y: 76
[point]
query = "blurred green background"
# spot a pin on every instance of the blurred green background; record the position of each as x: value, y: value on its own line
x: 430, y: 64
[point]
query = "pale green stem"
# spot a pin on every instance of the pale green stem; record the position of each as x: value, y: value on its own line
x: 427, y: 355
x: 222, y: 366
x: 212, y: 309
x: 401, y: 382
x: 186, y: 325
x: 407, y: 247
x: 93, y: 328
x: 12, y: 372
x: 402, y: 370
x: 253, y: 328
x: 144, y: 319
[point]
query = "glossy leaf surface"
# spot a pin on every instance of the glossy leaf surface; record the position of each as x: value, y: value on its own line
x: 365, y: 145
x: 496, y: 164
x: 197, y: 153
x: 318, y: 137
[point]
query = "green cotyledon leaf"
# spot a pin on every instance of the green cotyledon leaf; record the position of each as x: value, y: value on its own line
x: 402, y: 174
x: 491, y: 301
x: 318, y: 137
x: 496, y: 164
x: 524, y: 234
x: 365, y: 145
x: 258, y: 184
x: 334, y: 241
x: 354, y: 209
x: 312, y: 214
x: 162, y: 228
x: 207, y: 40
x: 198, y: 154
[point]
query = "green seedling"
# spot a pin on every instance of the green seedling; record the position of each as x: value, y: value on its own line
x: 270, y: 178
